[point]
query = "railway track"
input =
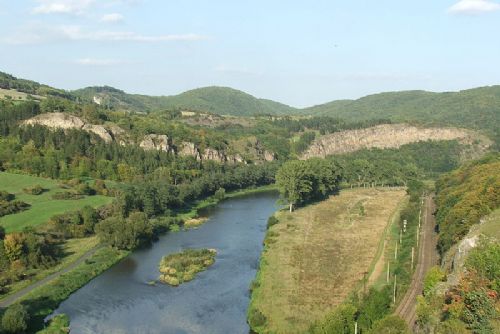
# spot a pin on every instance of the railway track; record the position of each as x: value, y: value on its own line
x: 427, y: 257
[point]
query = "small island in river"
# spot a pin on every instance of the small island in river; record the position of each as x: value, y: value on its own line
x: 182, y: 267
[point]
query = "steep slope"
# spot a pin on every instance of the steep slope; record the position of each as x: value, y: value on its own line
x: 390, y: 136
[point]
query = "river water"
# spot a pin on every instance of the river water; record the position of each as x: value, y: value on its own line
x: 216, y: 301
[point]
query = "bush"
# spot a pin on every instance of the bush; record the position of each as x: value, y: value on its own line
x: 391, y: 324
x: 432, y: 278
x: 5, y: 196
x: 66, y: 195
x: 7, y: 208
x: 15, y: 319
x: 220, y: 194
x: 256, y: 318
x: 35, y: 190
x: 340, y: 321
x: 272, y: 221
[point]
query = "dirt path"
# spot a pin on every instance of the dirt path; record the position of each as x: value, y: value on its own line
x: 6, y: 302
x: 427, y: 258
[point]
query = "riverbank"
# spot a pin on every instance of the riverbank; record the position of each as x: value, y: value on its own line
x: 122, y: 300
x: 194, y: 211
x: 43, y: 300
x: 315, y: 257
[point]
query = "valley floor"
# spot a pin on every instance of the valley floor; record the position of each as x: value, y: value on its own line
x: 316, y: 256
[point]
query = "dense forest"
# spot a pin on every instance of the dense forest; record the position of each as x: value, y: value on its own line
x: 464, y: 197
x: 463, y: 296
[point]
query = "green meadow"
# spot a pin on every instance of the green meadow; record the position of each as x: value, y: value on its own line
x: 42, y: 206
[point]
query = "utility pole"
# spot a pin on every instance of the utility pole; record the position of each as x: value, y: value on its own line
x: 355, y: 327
x: 388, y: 271
x: 394, y: 293
x: 412, y: 256
x: 396, y: 252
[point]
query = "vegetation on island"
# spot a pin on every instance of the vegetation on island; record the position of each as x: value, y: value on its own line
x: 182, y: 267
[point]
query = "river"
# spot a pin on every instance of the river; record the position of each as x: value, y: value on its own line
x: 216, y: 301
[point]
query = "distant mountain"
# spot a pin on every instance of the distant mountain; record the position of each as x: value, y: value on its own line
x: 477, y: 108
x: 218, y: 100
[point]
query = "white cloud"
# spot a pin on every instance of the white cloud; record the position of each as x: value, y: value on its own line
x: 75, y: 7
x: 472, y: 7
x: 36, y: 34
x: 112, y: 18
x: 98, y: 62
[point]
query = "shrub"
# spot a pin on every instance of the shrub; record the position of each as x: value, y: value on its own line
x: 5, y: 196
x: 391, y: 324
x: 256, y: 318
x: 433, y: 277
x: 66, y: 195
x: 220, y: 194
x: 272, y: 221
x: 339, y: 321
x: 35, y: 190
x: 15, y: 319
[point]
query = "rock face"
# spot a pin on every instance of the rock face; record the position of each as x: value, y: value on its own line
x: 188, y: 149
x: 100, y: 131
x: 269, y: 156
x: 211, y: 154
x: 384, y: 136
x: 58, y: 120
x: 157, y: 142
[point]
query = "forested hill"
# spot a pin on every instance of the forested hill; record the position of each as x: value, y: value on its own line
x: 217, y: 100
x: 477, y: 108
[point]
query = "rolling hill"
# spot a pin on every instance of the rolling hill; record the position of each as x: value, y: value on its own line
x: 217, y: 100
x: 477, y: 108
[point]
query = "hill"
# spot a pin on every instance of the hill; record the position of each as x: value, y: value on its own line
x: 217, y: 100
x: 477, y: 108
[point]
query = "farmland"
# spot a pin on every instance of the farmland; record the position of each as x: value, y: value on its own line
x: 42, y: 206
x: 319, y: 254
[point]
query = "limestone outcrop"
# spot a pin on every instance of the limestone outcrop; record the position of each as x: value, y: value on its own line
x: 157, y: 142
x: 386, y: 136
x: 59, y: 120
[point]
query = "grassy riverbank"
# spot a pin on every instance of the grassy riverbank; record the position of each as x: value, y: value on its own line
x: 316, y: 256
x: 42, y: 301
x: 212, y: 201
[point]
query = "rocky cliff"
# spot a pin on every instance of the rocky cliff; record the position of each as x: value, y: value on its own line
x: 157, y: 142
x: 388, y: 136
x: 57, y: 120
x: 160, y: 142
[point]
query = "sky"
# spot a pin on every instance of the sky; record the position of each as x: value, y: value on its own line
x: 300, y: 53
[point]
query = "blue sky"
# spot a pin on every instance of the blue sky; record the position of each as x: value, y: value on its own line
x: 297, y: 52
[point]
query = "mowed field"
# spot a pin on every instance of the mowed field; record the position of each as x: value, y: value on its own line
x: 42, y: 206
x: 319, y: 254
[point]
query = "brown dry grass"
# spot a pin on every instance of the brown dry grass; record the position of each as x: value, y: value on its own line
x: 317, y: 255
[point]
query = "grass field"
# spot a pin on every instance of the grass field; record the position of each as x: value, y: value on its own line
x: 42, y: 206
x: 15, y: 95
x: 317, y: 255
